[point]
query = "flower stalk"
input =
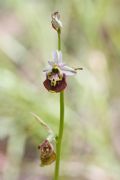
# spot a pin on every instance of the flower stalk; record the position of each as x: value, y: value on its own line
x: 59, y: 39
x: 61, y: 124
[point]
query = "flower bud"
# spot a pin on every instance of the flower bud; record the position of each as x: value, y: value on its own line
x: 56, y: 23
x: 47, y: 153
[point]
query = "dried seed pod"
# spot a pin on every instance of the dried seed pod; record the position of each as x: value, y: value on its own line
x: 47, y: 153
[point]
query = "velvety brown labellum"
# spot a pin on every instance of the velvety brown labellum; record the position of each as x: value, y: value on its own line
x: 60, y: 85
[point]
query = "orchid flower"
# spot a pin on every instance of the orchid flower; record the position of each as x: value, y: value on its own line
x: 56, y: 73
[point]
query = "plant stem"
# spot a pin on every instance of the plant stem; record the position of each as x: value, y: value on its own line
x: 59, y: 39
x: 61, y: 125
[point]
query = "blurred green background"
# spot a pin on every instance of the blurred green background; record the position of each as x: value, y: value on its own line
x: 90, y: 39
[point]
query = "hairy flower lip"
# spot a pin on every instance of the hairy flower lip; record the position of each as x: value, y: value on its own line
x: 61, y: 85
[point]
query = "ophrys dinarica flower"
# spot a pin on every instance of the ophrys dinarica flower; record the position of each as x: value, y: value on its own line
x: 56, y: 73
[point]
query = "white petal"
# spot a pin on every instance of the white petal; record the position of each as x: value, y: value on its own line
x: 55, y: 56
x: 68, y: 71
x: 62, y: 65
x: 59, y: 57
x: 67, y: 68
x: 51, y: 63
x: 47, y: 70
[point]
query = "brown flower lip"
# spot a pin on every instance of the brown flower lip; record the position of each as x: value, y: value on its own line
x: 60, y: 85
x: 47, y: 154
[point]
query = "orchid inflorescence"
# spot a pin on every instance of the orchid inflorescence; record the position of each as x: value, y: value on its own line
x: 56, y: 81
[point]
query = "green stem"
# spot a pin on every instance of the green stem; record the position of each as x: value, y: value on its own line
x: 59, y: 40
x: 61, y: 126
